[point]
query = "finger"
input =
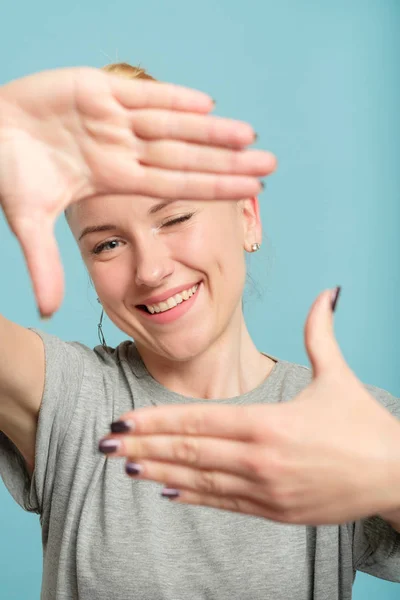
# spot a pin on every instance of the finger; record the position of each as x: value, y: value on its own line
x: 239, y: 423
x: 233, y: 504
x: 40, y: 249
x: 191, y: 157
x: 321, y: 345
x: 154, y: 94
x: 198, y: 480
x: 239, y: 458
x: 163, y: 183
x: 210, y: 130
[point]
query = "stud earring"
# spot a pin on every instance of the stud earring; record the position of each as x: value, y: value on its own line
x: 256, y: 246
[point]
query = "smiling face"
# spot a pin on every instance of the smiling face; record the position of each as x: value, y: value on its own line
x: 169, y: 274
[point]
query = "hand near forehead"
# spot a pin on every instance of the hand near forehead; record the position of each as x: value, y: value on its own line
x: 70, y: 134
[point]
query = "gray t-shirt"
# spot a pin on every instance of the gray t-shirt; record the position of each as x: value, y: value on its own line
x: 106, y: 536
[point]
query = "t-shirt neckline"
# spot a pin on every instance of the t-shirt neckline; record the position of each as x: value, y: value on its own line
x: 161, y: 395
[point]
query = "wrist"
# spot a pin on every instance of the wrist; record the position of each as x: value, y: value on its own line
x: 392, y: 515
x: 393, y: 518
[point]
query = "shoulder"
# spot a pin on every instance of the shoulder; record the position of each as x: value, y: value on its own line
x: 290, y: 377
x: 74, y: 363
x: 296, y: 377
x: 97, y: 356
x: 388, y: 400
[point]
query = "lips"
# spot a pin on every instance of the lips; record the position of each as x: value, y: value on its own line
x: 166, y: 316
x: 165, y: 295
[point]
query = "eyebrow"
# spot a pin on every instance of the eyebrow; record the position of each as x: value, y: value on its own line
x: 110, y: 227
x: 96, y: 228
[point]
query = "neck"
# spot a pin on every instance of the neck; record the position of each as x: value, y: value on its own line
x: 230, y: 367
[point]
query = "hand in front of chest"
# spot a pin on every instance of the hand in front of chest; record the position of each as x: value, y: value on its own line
x: 326, y: 457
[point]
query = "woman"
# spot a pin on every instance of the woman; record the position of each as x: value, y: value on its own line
x: 211, y: 413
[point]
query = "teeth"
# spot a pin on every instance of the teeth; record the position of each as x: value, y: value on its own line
x: 172, y: 301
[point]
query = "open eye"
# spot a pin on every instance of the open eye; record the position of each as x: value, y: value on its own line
x: 106, y: 246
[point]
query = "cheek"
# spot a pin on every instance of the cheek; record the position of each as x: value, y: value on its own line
x: 191, y: 248
x: 111, y: 279
x: 216, y: 246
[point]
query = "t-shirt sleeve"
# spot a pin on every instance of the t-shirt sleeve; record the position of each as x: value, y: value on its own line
x: 64, y: 368
x: 376, y: 545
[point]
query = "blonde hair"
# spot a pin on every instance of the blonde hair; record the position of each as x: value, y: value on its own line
x: 127, y: 71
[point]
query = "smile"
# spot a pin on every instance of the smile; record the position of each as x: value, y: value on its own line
x: 172, y: 308
x: 172, y: 301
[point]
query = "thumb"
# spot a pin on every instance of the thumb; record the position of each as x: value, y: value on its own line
x: 321, y: 345
x: 38, y: 243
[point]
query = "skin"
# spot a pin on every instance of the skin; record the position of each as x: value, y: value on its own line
x: 294, y: 462
x: 146, y: 256
x: 74, y: 134
x: 77, y: 134
x: 264, y: 460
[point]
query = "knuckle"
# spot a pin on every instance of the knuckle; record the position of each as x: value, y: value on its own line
x: 236, y: 504
x: 234, y: 160
x: 252, y: 464
x: 206, y: 482
x: 186, y: 450
x: 261, y: 465
x: 196, y: 424
x: 260, y: 431
x: 282, y: 502
x: 185, y: 156
x: 211, y: 130
x: 218, y: 187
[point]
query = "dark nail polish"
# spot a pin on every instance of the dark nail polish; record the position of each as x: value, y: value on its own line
x: 256, y: 136
x: 335, y: 297
x: 170, y: 493
x: 109, y: 446
x: 43, y: 317
x: 121, y: 426
x: 262, y: 184
x: 133, y: 468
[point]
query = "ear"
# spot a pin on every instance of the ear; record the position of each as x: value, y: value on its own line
x: 252, y: 230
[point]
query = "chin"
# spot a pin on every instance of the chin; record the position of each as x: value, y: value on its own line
x: 185, y: 347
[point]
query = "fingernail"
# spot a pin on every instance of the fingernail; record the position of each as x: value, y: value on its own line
x: 109, y: 446
x: 262, y: 184
x: 44, y: 317
x: 133, y: 468
x: 122, y: 426
x: 255, y: 136
x: 214, y: 101
x: 170, y: 493
x: 335, y: 297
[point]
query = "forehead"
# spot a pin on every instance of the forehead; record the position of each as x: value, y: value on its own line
x: 92, y: 211
x: 117, y: 209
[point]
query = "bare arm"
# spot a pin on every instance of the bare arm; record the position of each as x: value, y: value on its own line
x: 22, y: 371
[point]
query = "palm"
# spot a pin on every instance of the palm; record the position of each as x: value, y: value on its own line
x: 73, y: 140
x: 73, y: 133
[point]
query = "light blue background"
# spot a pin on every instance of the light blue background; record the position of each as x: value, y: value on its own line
x: 320, y: 83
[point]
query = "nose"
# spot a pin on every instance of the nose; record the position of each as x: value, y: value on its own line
x: 153, y: 263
